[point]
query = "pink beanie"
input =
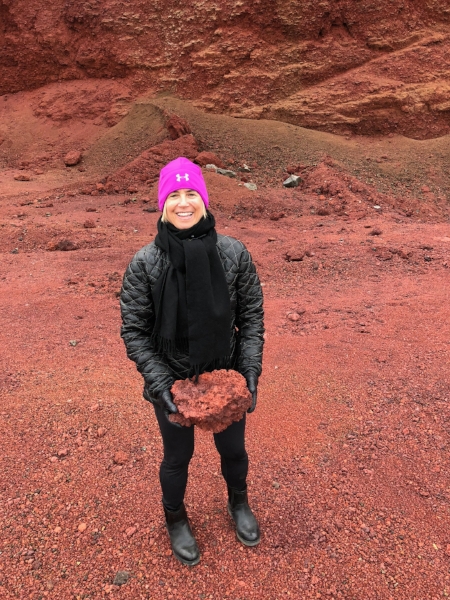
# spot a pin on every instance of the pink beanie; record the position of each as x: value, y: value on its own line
x: 178, y: 174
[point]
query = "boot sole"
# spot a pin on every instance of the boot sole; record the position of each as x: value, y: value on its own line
x: 248, y: 543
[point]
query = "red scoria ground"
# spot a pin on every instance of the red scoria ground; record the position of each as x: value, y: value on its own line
x: 349, y: 443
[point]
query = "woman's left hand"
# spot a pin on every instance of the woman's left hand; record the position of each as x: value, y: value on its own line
x: 252, y: 384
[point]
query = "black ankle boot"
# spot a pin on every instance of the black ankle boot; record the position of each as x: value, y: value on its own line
x: 184, y: 546
x: 247, y: 529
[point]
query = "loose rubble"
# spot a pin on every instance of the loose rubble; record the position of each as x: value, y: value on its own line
x: 226, y: 172
x: 292, y: 181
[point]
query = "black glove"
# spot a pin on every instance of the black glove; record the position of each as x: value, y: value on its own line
x: 165, y: 401
x: 252, y: 384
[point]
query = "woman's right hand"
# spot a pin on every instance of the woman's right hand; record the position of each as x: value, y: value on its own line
x: 165, y: 401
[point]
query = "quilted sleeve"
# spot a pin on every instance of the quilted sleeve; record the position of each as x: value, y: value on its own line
x: 249, y: 315
x: 137, y: 324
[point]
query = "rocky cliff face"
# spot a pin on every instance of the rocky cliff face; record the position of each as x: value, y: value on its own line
x: 336, y: 65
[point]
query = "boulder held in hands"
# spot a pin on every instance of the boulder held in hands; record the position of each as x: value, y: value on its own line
x: 218, y: 399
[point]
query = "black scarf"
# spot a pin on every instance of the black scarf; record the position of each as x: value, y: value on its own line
x: 192, y: 302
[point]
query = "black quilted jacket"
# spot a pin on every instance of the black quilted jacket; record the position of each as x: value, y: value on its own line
x: 160, y: 370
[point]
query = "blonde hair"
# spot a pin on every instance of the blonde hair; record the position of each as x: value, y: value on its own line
x: 164, y: 218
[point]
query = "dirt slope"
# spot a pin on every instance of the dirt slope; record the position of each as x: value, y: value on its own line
x: 38, y: 128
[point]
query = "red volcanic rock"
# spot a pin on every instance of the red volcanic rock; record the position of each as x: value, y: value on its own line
x: 177, y: 127
x: 322, y: 211
x: 209, y: 158
x: 72, y: 158
x: 383, y: 253
x: 213, y: 403
x: 145, y: 169
x: 342, y: 67
x: 62, y: 245
x: 120, y: 457
x: 295, y: 254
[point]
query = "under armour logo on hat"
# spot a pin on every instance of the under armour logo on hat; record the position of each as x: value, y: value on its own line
x: 180, y: 177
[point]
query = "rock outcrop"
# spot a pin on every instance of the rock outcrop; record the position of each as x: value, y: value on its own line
x: 339, y: 66
x: 144, y: 170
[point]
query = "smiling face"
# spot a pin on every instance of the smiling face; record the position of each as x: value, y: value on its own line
x: 183, y: 208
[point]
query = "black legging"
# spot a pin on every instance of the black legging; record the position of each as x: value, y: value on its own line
x: 178, y: 450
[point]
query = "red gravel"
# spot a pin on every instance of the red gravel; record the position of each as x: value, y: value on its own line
x: 349, y: 473
x: 349, y: 444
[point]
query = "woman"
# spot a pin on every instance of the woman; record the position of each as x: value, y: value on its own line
x: 191, y: 302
